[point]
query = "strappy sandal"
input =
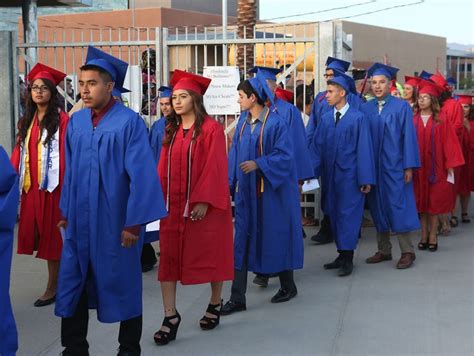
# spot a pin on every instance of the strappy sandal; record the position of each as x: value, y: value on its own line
x: 454, y: 221
x: 465, y: 218
x: 208, y: 323
x: 164, y: 337
x: 422, y: 245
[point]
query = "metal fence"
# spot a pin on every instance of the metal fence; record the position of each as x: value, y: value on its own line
x: 299, y: 49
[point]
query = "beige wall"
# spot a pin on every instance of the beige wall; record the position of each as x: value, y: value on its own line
x: 409, y: 51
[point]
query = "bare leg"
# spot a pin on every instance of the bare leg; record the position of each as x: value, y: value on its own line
x: 465, y: 205
x: 424, y: 228
x: 168, y: 293
x: 53, y: 270
x: 216, y: 298
x: 433, y: 239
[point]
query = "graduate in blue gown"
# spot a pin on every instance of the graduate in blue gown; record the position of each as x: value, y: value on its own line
x: 343, y: 158
x: 319, y: 108
x: 9, y: 197
x: 392, y: 202
x: 291, y: 114
x: 263, y: 179
x: 156, y: 134
x: 110, y: 190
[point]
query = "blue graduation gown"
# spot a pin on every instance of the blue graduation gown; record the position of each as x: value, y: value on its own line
x: 392, y: 202
x: 110, y: 183
x: 155, y: 136
x: 343, y: 158
x: 301, y: 153
x: 267, y: 225
x: 321, y: 106
x: 9, y: 197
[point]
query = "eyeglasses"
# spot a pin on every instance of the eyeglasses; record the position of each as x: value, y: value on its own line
x: 422, y: 98
x: 328, y: 76
x: 38, y: 89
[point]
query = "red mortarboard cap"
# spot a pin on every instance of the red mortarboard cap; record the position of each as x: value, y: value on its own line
x: 189, y: 81
x: 433, y: 89
x: 41, y: 71
x: 465, y: 99
x: 284, y: 94
x: 413, y: 81
x: 440, y: 80
x: 393, y: 86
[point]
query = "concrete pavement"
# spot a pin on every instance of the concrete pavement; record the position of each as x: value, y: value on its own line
x: 378, y: 310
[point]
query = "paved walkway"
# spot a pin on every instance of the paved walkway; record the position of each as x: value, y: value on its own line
x: 378, y: 310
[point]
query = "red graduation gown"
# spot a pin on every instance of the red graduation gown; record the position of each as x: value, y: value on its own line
x: 452, y: 111
x: 464, y: 186
x: 435, y: 197
x: 198, y: 251
x: 40, y: 209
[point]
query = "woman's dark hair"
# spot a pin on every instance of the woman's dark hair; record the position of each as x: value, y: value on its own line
x: 50, y: 122
x: 247, y: 88
x: 471, y: 112
x: 445, y: 95
x: 435, y: 109
x: 173, y: 120
x: 303, y: 99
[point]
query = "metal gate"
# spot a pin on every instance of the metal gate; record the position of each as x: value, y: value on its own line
x: 299, y: 49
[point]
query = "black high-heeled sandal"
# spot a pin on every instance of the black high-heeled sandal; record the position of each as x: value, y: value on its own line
x: 465, y: 218
x: 433, y: 247
x: 162, y: 337
x: 207, y: 323
x: 422, y: 245
x: 454, y: 221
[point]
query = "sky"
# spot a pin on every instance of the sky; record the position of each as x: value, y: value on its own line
x: 452, y: 19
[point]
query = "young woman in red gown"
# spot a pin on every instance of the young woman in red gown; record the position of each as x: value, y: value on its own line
x: 39, y: 159
x: 196, y: 238
x: 440, y: 153
x: 466, y: 183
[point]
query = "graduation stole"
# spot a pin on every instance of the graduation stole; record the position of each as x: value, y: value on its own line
x: 188, y: 188
x: 432, y: 179
x: 48, y: 162
x: 260, y: 184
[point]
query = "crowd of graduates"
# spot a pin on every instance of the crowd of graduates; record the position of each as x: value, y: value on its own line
x: 92, y: 191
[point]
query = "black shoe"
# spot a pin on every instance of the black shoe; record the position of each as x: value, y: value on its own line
x: 346, y: 268
x: 261, y: 281
x: 232, y: 307
x: 128, y: 353
x: 43, y: 303
x: 284, y: 295
x: 162, y: 337
x: 337, y: 263
x: 322, y: 237
x: 147, y: 267
x: 207, y: 323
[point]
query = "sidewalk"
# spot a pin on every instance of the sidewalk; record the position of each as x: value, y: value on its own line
x: 378, y: 310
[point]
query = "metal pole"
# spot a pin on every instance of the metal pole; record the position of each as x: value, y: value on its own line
x: 30, y: 26
x: 224, y: 32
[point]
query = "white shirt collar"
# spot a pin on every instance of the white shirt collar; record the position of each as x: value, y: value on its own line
x: 343, y: 110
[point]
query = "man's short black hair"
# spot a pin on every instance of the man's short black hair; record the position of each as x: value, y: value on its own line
x: 247, y: 88
x: 106, y: 77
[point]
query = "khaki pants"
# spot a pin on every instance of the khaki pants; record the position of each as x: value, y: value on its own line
x: 385, y: 246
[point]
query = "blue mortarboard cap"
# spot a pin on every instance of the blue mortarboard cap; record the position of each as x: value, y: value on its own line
x: 344, y: 81
x: 260, y: 85
x: 268, y: 73
x: 425, y: 75
x: 165, y: 92
x: 119, y: 91
x: 114, y: 66
x: 338, y: 64
x: 452, y: 81
x: 382, y: 69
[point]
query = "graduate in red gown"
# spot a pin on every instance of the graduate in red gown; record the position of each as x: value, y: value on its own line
x: 196, y: 238
x: 451, y: 110
x: 466, y: 176
x: 440, y: 153
x: 410, y: 90
x: 38, y: 157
